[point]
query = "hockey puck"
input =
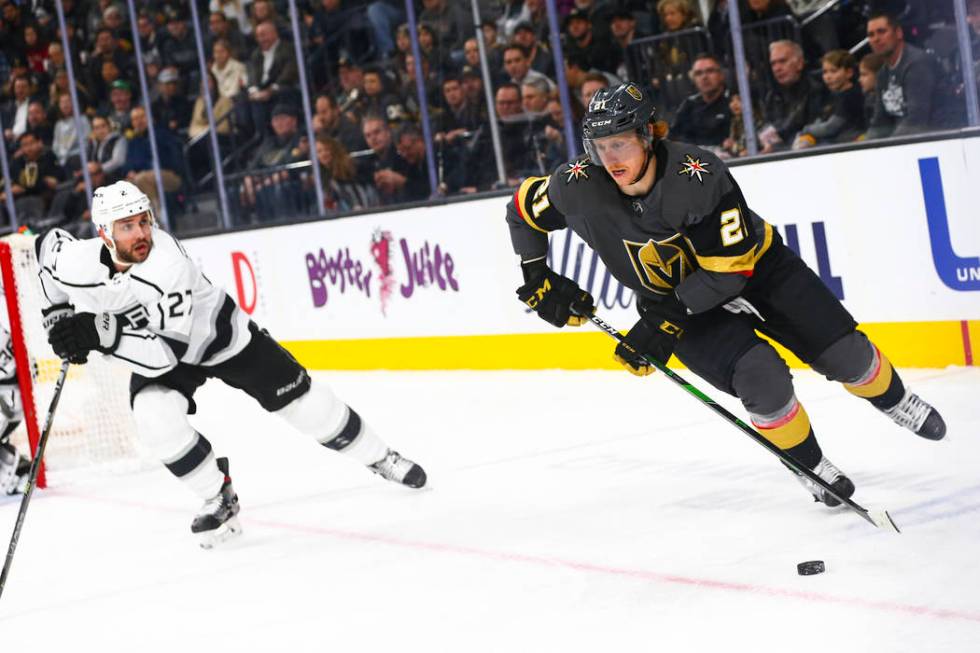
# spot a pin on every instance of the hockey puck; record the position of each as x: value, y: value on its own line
x: 810, y: 567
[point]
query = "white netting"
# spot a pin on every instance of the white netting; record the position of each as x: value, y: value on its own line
x: 93, y: 426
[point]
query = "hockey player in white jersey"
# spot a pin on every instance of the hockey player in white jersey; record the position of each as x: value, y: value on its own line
x: 135, y: 296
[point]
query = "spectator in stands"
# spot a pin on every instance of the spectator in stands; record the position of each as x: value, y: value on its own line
x: 384, y: 15
x: 472, y: 83
x: 597, y: 13
x: 676, y: 15
x: 386, y: 169
x: 221, y: 107
x: 495, y: 60
x: 265, y: 11
x: 431, y: 50
x: 179, y: 48
x: 450, y: 21
x: 868, y: 78
x: 60, y: 86
x: 276, y: 193
x: 66, y: 142
x: 378, y: 99
x: 704, y: 118
x: 235, y: 10
x: 149, y: 36
x: 71, y: 204
x: 461, y: 139
x: 221, y: 28
x: 35, y: 176
x: 330, y: 20
x: 15, y: 113
x: 519, y: 159
x: 171, y: 108
x: 539, y: 54
x: 231, y: 74
x: 622, y: 26
x: 581, y: 40
x: 795, y: 101
x: 536, y: 17
x: 120, y: 107
x: 338, y: 176
x: 351, y: 86
x: 329, y: 121
x: 35, y: 49
x: 908, y: 90
x: 282, y: 145
x: 518, y: 66
x: 106, y: 49
x: 591, y: 84
x: 37, y: 122
x: 759, y: 10
x: 410, y: 146
x: 545, y: 139
x: 842, y: 119
x: 138, y: 167
x: 106, y: 146
x: 272, y: 73
x: 110, y: 73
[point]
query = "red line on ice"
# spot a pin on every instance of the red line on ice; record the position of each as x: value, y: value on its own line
x: 587, y: 567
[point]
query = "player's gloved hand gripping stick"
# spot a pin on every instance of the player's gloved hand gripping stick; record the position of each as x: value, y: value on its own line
x: 556, y: 299
x: 879, y: 517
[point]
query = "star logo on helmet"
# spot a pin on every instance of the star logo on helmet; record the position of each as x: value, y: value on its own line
x: 577, y: 171
x: 694, y: 168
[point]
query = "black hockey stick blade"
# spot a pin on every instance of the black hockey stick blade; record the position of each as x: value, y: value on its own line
x: 32, y: 478
x: 879, y: 518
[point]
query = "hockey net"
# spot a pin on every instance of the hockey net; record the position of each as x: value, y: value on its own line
x: 93, y: 426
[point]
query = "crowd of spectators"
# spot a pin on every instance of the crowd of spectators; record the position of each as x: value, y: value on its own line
x: 813, y: 82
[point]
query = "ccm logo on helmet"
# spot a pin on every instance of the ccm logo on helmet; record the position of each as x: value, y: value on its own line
x: 601, y: 123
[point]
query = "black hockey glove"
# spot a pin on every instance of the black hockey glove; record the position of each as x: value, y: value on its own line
x: 556, y: 299
x: 654, y: 335
x: 72, y: 338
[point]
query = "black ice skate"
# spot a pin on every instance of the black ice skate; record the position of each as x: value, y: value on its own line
x: 918, y: 417
x: 14, y: 470
x: 400, y: 470
x: 834, y: 477
x: 218, y: 519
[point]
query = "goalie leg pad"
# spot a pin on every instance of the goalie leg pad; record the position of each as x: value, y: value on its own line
x: 321, y: 415
x: 161, y: 421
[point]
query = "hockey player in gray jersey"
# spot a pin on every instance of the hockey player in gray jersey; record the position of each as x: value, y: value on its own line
x: 670, y: 223
x: 134, y: 295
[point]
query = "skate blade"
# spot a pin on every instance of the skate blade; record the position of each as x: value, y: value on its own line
x: 223, y: 533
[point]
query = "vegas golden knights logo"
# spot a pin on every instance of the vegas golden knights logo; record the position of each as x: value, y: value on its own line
x: 660, y: 265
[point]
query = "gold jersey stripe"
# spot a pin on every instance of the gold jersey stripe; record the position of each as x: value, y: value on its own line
x: 877, y: 385
x: 791, y: 433
x: 521, y: 199
x: 741, y: 263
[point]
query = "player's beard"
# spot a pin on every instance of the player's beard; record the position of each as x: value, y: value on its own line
x: 136, y: 253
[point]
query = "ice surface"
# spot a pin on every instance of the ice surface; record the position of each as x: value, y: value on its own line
x: 567, y: 511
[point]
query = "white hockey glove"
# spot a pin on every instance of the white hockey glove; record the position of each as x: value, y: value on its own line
x: 740, y: 305
x: 53, y: 313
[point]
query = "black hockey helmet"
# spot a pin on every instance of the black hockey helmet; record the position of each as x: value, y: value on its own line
x: 611, y: 111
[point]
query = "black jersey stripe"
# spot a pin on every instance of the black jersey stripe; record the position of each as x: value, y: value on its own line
x: 149, y: 283
x: 223, y: 330
x: 191, y: 460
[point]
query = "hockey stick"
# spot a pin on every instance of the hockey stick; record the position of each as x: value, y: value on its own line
x: 32, y: 478
x: 879, y: 517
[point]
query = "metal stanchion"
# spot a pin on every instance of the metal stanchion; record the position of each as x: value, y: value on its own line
x: 742, y: 75
x: 219, y: 175
x: 566, y: 100
x: 966, y: 64
x: 430, y: 160
x: 498, y: 150
x: 307, y: 112
x: 76, y: 111
x: 8, y: 181
x: 145, y: 92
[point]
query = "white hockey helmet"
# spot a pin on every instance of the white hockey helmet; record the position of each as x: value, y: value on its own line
x: 117, y: 201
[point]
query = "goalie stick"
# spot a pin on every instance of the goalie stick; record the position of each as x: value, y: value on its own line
x: 879, y: 518
x: 32, y: 478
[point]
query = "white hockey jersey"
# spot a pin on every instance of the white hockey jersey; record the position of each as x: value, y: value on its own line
x: 170, y: 311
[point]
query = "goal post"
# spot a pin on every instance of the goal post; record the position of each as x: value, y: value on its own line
x: 21, y: 357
